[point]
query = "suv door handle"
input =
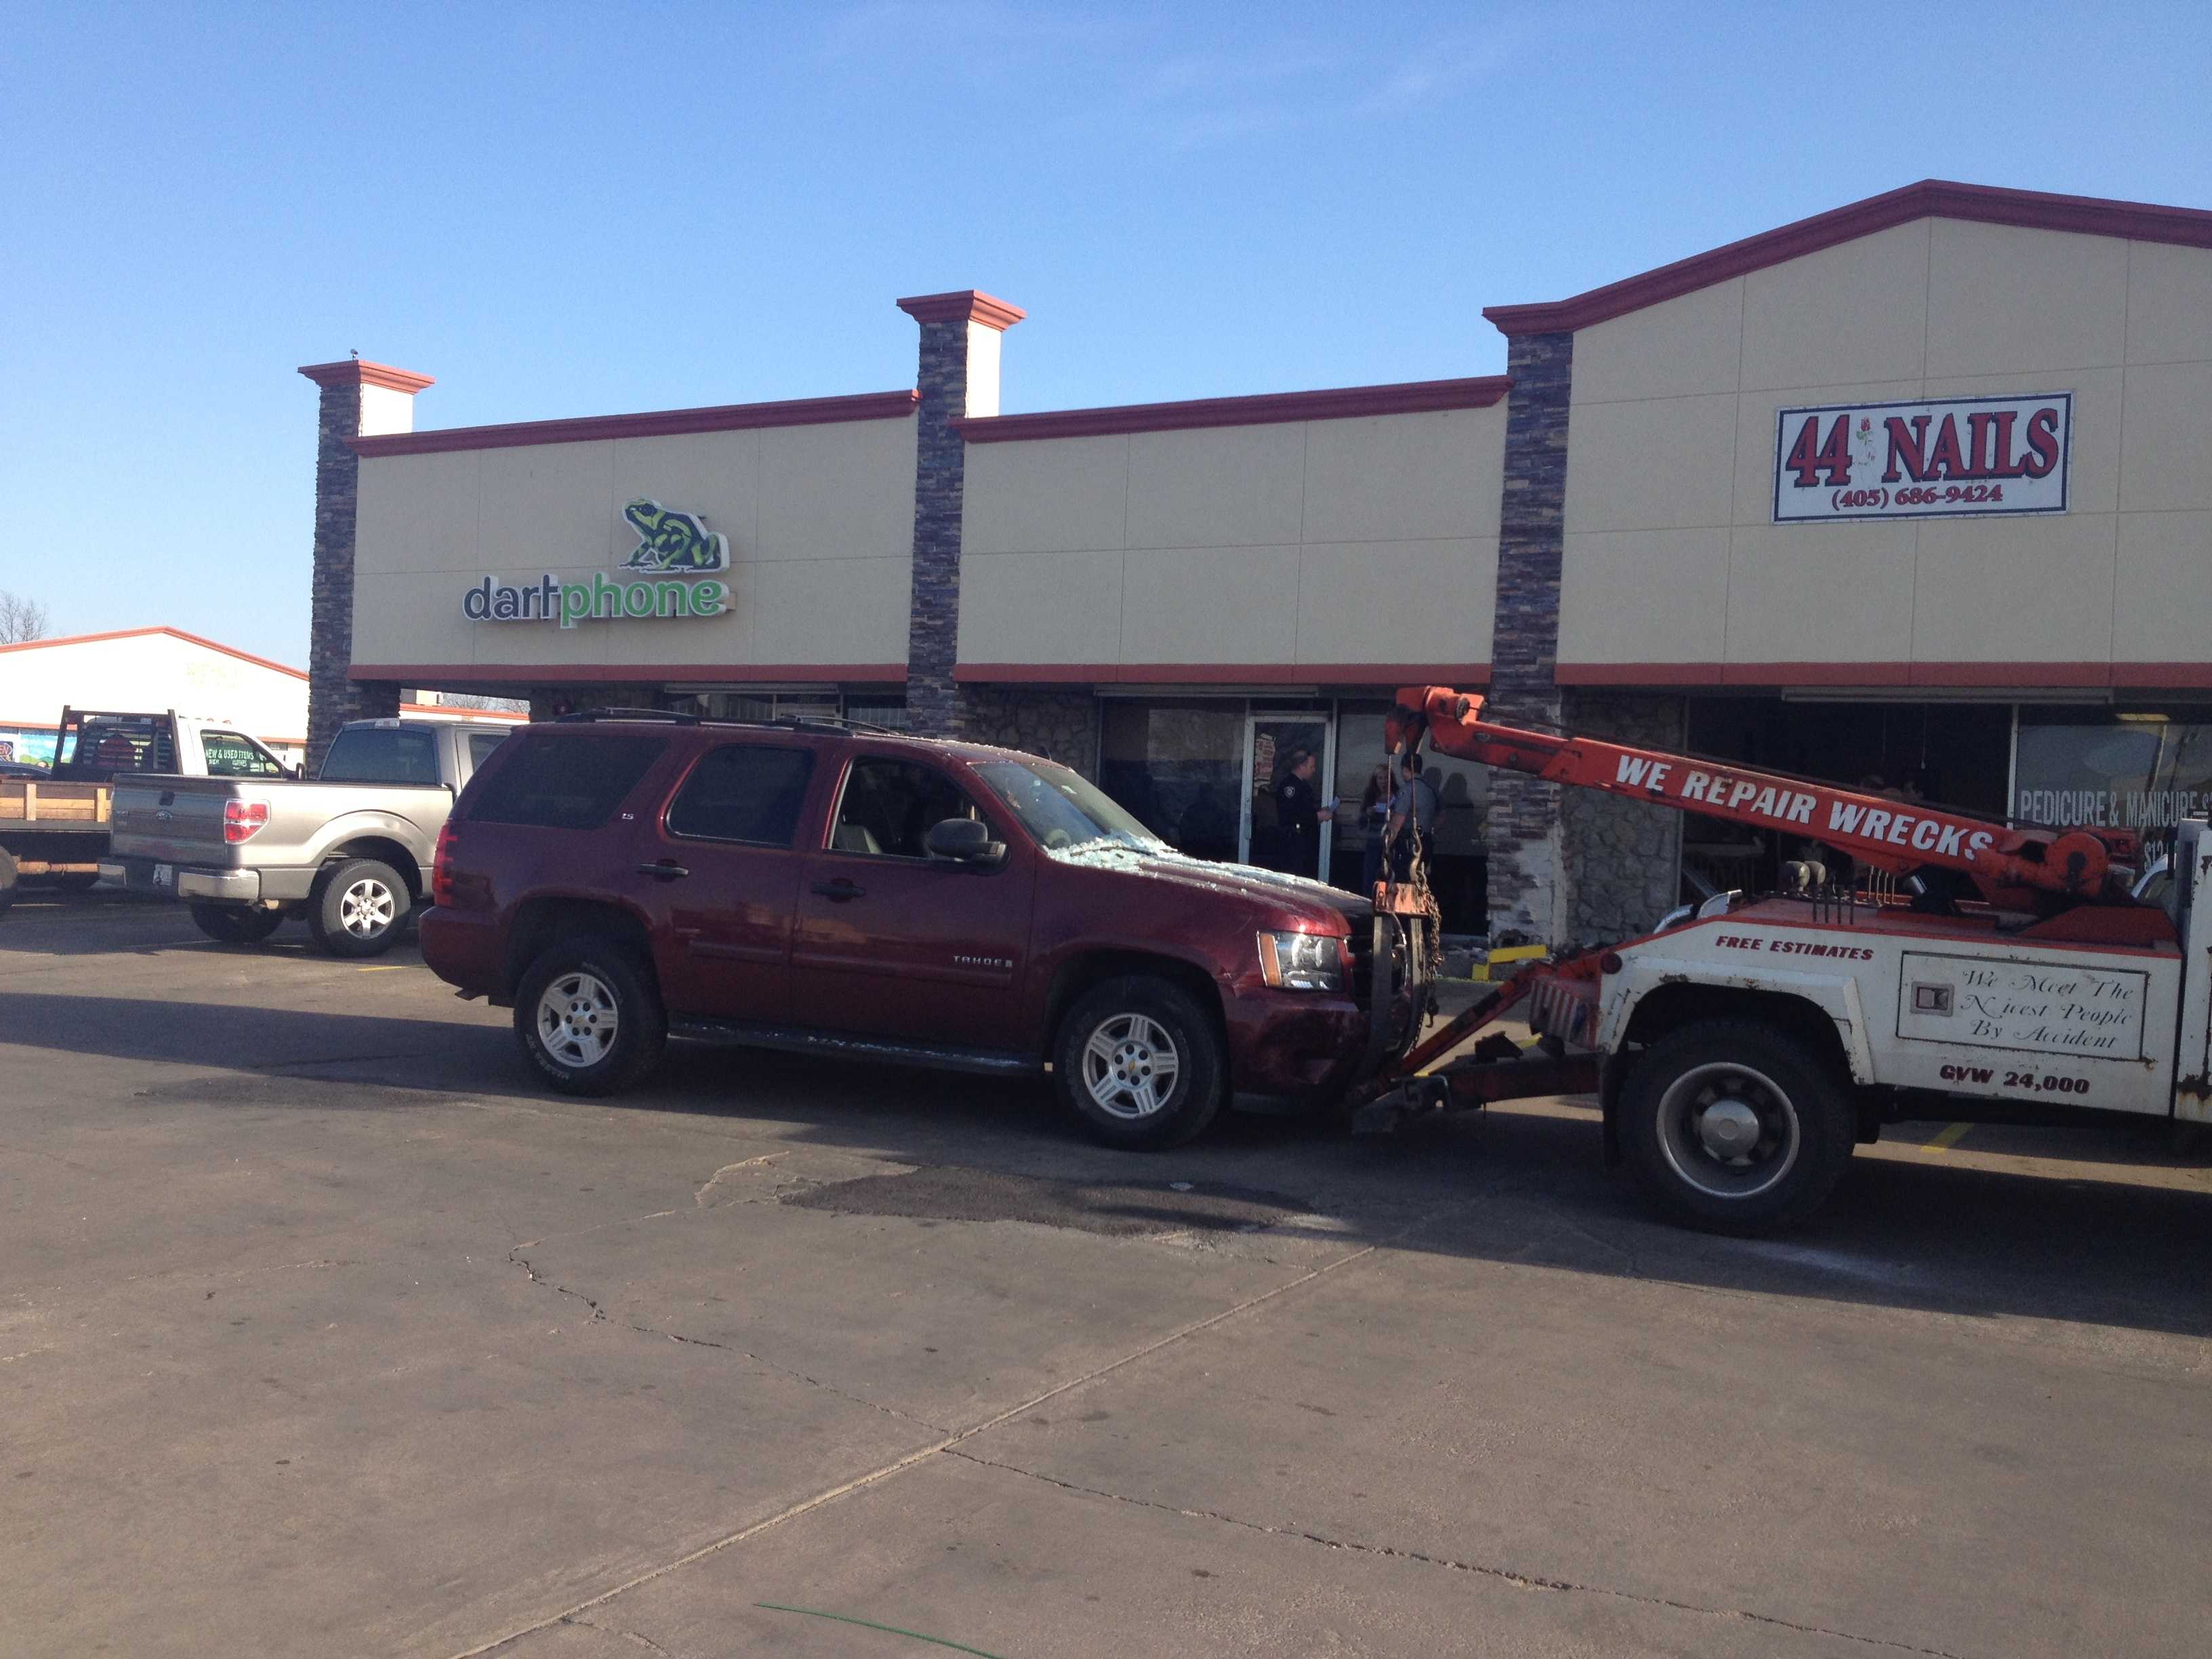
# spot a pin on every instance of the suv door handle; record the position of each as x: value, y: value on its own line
x: 668, y: 870
x: 840, y: 890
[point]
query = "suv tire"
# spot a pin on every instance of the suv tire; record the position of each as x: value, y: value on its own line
x: 1140, y: 1063
x: 589, y: 1018
x: 357, y: 908
x: 1734, y: 1127
x: 234, y: 924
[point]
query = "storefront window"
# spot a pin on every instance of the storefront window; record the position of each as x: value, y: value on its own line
x: 1948, y: 754
x: 2133, y: 769
x: 1179, y: 767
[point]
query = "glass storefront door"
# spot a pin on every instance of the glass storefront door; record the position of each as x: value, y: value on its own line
x: 1290, y: 768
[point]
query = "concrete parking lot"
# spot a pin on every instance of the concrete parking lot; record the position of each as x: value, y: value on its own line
x: 323, y: 1331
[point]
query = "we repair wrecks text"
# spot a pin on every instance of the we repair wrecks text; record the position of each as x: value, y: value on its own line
x: 1785, y: 807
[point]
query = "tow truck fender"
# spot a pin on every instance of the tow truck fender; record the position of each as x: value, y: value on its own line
x: 1834, y: 994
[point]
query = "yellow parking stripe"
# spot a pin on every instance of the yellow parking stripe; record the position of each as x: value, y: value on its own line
x: 1948, y: 1137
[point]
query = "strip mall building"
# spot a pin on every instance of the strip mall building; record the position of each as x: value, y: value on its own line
x: 1919, y: 489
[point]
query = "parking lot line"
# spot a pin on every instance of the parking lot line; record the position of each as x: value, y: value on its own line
x: 1950, y: 1136
x: 385, y: 968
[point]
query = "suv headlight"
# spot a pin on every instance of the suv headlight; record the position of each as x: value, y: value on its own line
x: 1302, y: 962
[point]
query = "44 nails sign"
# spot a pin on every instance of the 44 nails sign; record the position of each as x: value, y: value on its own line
x: 1952, y: 457
x: 674, y: 550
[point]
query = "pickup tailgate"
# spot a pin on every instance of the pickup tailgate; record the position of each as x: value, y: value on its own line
x: 177, y: 820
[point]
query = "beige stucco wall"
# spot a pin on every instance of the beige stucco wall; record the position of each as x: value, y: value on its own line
x: 1367, y: 540
x: 819, y: 520
x: 1672, y: 556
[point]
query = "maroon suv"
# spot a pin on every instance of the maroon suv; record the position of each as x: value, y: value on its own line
x: 839, y: 890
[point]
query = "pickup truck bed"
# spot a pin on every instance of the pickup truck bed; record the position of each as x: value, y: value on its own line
x: 49, y: 828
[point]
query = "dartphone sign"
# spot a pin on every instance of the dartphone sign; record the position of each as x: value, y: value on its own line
x: 1954, y: 457
x: 671, y: 544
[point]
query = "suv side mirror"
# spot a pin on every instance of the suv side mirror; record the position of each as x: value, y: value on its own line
x: 964, y: 841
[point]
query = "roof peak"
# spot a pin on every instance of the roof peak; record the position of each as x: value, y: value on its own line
x: 1930, y: 198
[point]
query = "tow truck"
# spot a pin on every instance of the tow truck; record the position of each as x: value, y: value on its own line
x: 1969, y: 969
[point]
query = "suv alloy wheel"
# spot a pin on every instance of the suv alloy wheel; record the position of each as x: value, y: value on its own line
x: 589, y: 1018
x: 1139, y: 1063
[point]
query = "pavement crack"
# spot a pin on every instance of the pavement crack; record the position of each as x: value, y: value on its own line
x: 922, y: 1455
x: 598, y: 1314
x: 1505, y: 1575
x: 626, y: 1635
x: 599, y: 1317
x: 763, y: 1162
x: 797, y: 1376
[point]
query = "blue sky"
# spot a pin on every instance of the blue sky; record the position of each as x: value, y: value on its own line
x: 565, y: 209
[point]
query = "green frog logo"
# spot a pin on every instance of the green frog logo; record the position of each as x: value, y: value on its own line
x: 673, y: 542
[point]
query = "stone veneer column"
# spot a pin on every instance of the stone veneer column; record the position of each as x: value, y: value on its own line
x: 1623, y: 857
x: 1527, y: 871
x: 359, y: 400
x: 959, y: 377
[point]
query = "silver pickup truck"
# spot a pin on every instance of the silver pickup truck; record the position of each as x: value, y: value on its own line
x: 350, y: 852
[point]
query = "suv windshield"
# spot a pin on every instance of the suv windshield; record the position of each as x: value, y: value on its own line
x: 1064, y: 809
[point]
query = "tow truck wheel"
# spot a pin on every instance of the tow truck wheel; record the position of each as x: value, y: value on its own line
x: 235, y: 924
x: 589, y: 1018
x: 357, y: 908
x: 1139, y: 1062
x: 1734, y: 1127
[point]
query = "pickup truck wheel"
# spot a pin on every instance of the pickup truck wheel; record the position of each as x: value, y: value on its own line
x: 7, y: 880
x: 357, y: 908
x: 1734, y: 1127
x: 1139, y: 1063
x: 234, y: 924
x: 589, y: 1018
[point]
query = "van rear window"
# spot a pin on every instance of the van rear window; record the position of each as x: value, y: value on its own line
x: 563, y: 780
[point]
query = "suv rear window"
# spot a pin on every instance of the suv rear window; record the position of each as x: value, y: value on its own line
x: 568, y: 780
x: 382, y: 754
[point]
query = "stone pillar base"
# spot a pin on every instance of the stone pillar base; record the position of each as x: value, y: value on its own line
x: 1623, y: 858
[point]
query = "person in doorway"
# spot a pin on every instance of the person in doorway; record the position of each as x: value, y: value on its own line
x: 1374, y: 821
x: 1298, y: 814
x: 1413, y: 825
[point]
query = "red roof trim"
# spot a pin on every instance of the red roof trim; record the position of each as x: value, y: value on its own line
x: 173, y: 633
x: 2012, y: 676
x: 437, y: 676
x: 1335, y: 404
x: 725, y: 418
x: 1233, y: 673
x: 355, y: 372
x: 965, y: 305
x: 2162, y: 676
x: 1932, y: 199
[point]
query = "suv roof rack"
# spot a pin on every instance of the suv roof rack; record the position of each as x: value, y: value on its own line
x: 836, y: 723
x: 672, y: 717
x: 830, y: 723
